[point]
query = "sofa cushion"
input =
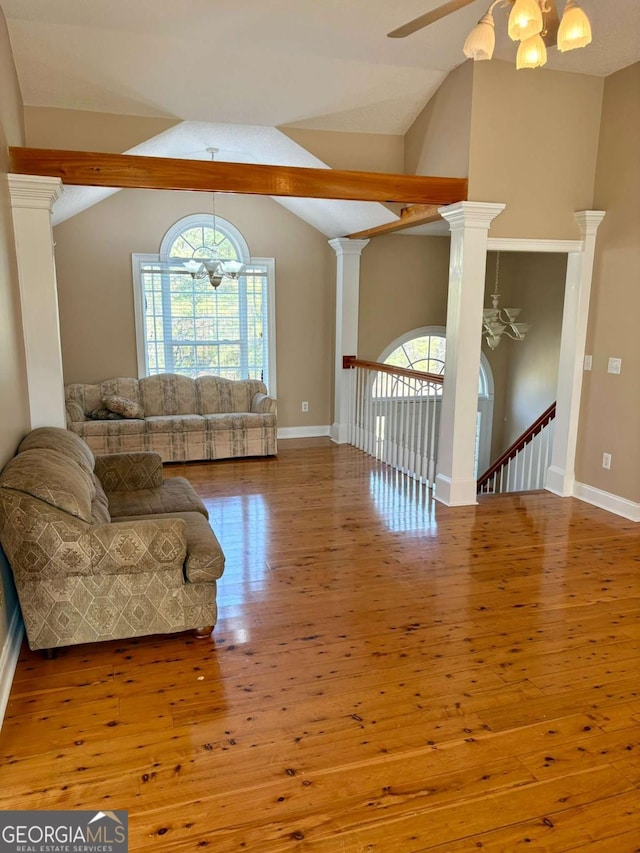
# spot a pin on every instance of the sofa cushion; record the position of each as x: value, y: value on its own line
x: 239, y: 422
x: 216, y: 394
x: 61, y: 440
x: 176, y: 423
x: 205, y: 558
x: 51, y: 477
x: 121, y: 426
x: 123, y: 406
x: 168, y: 394
x: 175, y: 495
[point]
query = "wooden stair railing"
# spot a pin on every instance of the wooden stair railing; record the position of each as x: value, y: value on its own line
x: 518, y: 445
x: 349, y: 361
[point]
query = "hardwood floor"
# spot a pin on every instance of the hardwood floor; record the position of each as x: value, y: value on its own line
x: 388, y: 675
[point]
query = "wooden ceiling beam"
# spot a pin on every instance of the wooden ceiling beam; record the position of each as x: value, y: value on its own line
x: 417, y: 214
x: 85, y: 168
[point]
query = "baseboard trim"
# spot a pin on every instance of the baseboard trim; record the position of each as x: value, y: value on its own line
x: 9, y: 658
x: 605, y: 500
x: 303, y: 432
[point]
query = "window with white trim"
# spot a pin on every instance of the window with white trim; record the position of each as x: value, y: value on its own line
x: 185, y: 325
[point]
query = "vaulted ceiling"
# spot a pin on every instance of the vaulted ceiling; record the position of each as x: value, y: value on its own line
x: 324, y: 64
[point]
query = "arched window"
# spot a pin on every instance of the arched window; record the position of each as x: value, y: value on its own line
x: 194, y: 237
x: 425, y: 349
x: 185, y: 325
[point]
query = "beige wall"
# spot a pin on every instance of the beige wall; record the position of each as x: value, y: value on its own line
x: 93, y: 259
x: 361, y: 152
x: 403, y: 285
x: 609, y: 420
x: 526, y: 372
x: 534, y: 140
x: 437, y: 143
x: 14, y: 417
x: 80, y: 130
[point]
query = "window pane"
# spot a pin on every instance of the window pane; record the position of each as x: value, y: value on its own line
x: 398, y: 358
x: 205, y: 329
x: 183, y: 358
x: 230, y: 356
x: 181, y: 249
x: 205, y: 303
x: 182, y: 329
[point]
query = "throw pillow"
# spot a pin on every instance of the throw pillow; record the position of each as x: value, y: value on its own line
x: 104, y: 414
x: 123, y: 406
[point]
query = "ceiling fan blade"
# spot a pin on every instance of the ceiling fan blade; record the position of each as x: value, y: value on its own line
x: 428, y: 18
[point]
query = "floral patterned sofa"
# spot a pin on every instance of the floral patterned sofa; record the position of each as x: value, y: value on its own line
x: 180, y: 418
x: 104, y: 548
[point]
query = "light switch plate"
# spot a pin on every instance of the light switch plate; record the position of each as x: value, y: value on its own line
x: 615, y: 365
x: 587, y: 362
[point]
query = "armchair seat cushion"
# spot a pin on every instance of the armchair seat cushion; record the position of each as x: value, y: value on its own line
x: 175, y: 495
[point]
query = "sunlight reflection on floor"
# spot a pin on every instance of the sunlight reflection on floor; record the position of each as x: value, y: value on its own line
x: 403, y: 503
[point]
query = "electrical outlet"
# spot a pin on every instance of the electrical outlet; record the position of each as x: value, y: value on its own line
x: 588, y: 360
x: 305, y: 406
x: 615, y: 365
x: 606, y: 460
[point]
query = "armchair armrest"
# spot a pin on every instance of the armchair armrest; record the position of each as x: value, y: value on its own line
x: 128, y: 472
x: 143, y: 545
x: 262, y: 404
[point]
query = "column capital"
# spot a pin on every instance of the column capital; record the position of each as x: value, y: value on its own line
x: 470, y: 214
x: 34, y: 191
x: 345, y: 246
x: 589, y: 221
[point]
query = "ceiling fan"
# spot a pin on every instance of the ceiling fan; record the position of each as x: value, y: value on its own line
x: 535, y: 23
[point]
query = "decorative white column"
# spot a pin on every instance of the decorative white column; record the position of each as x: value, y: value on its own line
x: 561, y: 473
x: 31, y: 200
x: 469, y: 224
x: 347, y: 306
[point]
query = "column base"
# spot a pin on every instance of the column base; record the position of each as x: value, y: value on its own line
x: 455, y: 492
x: 559, y: 481
x: 339, y: 433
